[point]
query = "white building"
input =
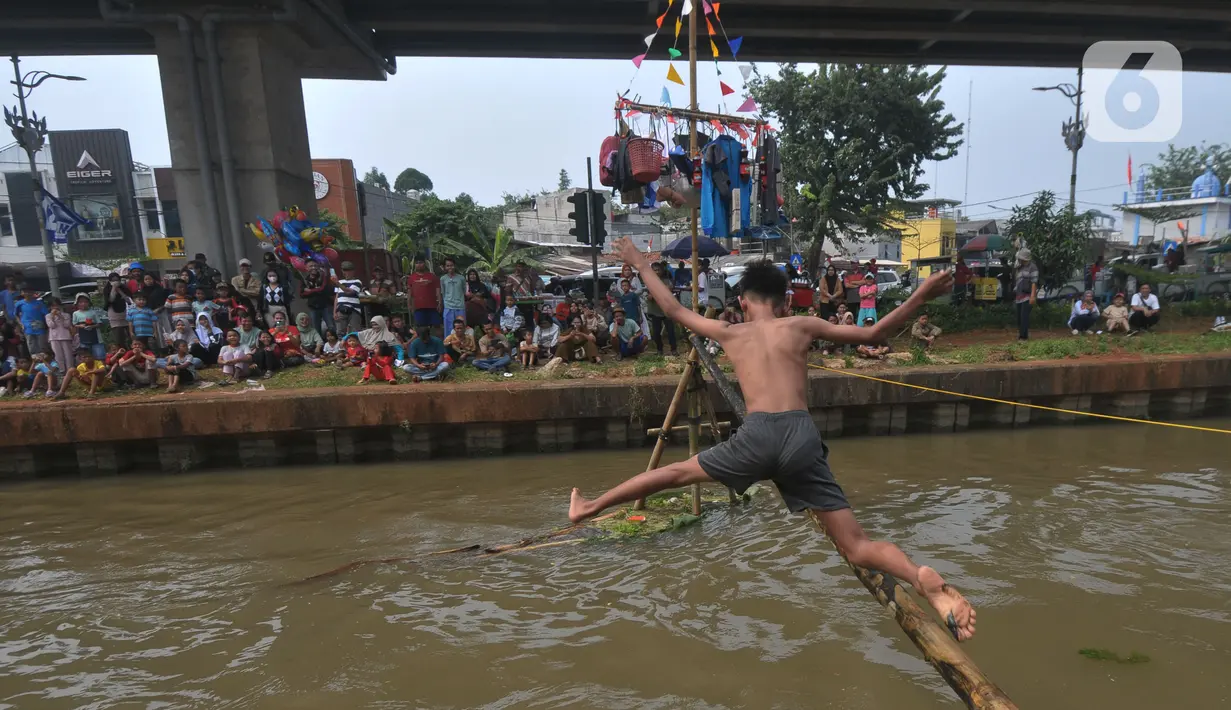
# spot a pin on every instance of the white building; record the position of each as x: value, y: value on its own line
x: 29, y: 248
x: 1204, y: 209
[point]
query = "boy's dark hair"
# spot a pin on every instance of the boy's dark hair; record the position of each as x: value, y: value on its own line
x: 384, y: 350
x: 139, y: 295
x: 83, y: 351
x: 140, y: 340
x: 762, y: 281
x: 178, y: 342
x: 456, y: 321
x: 331, y: 331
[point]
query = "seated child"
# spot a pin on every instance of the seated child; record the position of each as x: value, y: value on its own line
x: 356, y: 355
x: 235, y: 358
x: 333, y: 349
x: 1117, y: 315
x: 46, y: 371
x: 89, y: 372
x: 381, y: 365
x: 528, y: 350
x: 180, y: 367
x: 17, y: 379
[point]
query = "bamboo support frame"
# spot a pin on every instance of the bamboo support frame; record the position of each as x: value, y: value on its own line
x: 669, y: 421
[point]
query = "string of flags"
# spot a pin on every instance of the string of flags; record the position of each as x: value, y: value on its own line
x: 710, y: 10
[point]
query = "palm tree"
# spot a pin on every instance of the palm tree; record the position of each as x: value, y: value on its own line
x: 499, y: 253
x: 406, y: 245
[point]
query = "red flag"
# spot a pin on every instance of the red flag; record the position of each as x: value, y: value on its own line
x: 660, y: 19
x: 740, y: 130
x: 726, y: 90
x: 717, y: 124
x: 1130, y: 168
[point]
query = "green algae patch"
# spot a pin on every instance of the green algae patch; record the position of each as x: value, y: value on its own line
x: 664, y: 512
x: 1103, y: 654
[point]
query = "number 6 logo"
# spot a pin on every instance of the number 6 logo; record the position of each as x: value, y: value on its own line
x: 1135, y: 91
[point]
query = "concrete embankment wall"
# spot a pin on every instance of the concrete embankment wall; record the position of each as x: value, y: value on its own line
x: 227, y: 429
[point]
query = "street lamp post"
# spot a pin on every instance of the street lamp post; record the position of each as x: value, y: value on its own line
x: 1073, y: 130
x: 30, y: 131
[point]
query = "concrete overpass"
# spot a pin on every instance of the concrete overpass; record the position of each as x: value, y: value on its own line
x: 230, y: 69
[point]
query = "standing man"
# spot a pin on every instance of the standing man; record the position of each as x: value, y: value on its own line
x: 208, y: 277
x: 246, y: 286
x: 962, y: 276
x: 318, y: 294
x: 1144, y: 314
x: 453, y: 290
x: 423, y: 297
x: 347, y: 310
x: 1026, y: 291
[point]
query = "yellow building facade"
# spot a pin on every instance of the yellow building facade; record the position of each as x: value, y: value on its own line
x: 926, y: 238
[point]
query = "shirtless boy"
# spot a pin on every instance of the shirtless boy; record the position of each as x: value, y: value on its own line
x: 778, y: 440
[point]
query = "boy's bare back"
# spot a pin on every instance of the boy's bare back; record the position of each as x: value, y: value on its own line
x: 771, y: 362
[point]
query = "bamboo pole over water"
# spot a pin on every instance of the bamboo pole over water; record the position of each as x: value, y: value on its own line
x: 694, y: 397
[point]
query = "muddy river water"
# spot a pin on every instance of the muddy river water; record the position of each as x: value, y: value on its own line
x: 169, y: 592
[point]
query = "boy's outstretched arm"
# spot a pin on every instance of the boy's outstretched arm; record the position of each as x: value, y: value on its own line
x: 697, y: 323
x: 936, y: 285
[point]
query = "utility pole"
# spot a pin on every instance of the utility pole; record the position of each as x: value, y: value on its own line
x: 1073, y: 131
x: 31, y: 134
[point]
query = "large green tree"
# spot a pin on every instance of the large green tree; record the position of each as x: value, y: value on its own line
x: 411, y: 179
x: 1178, y: 167
x: 376, y: 177
x: 854, y: 140
x: 1059, y: 239
x: 437, y: 226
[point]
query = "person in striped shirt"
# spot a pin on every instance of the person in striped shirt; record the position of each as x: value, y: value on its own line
x: 179, y: 304
x: 348, y: 313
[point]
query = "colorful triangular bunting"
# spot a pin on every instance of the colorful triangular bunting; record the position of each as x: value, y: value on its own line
x: 666, y: 98
x: 735, y: 44
x: 713, y: 48
x: 706, y: 5
x: 709, y: 26
x: 716, y: 6
x: 743, y: 133
x: 717, y: 124
x: 673, y: 75
x: 678, y: 25
x: 649, y: 40
x: 687, y: 7
x: 660, y: 19
x: 637, y: 60
x: 726, y: 90
x: 749, y: 106
x: 674, y: 53
x: 746, y: 70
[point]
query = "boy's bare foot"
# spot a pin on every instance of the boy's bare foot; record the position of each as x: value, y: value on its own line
x: 578, y: 507
x: 948, y: 603
x: 362, y: 381
x: 393, y: 381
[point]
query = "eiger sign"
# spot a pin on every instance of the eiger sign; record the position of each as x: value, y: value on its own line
x: 83, y: 173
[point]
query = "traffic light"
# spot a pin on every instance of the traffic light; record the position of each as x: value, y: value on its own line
x: 582, y: 229
x: 598, y: 210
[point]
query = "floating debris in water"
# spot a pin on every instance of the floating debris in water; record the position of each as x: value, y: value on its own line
x: 1103, y: 654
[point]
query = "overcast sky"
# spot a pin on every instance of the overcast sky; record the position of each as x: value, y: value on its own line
x: 486, y: 126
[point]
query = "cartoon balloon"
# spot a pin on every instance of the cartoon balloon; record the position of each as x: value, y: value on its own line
x: 266, y: 246
x: 299, y: 264
x: 299, y: 214
x: 282, y: 253
x: 335, y: 259
x: 320, y: 258
x: 280, y: 218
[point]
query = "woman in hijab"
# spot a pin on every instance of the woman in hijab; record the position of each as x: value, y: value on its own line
x: 310, y: 339
x: 375, y: 335
x: 478, y: 301
x: 831, y: 293
x: 209, y: 340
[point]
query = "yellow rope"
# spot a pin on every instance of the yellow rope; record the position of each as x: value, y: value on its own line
x: 1023, y: 404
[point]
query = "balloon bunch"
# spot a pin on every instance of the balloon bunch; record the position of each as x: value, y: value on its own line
x: 295, y: 240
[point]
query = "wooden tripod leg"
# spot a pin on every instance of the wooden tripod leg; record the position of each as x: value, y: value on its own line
x: 668, y: 421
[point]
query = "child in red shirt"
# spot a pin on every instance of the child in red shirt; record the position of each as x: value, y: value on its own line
x: 381, y: 365
x: 356, y: 354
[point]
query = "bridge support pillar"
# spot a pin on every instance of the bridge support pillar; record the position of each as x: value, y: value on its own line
x: 263, y: 104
